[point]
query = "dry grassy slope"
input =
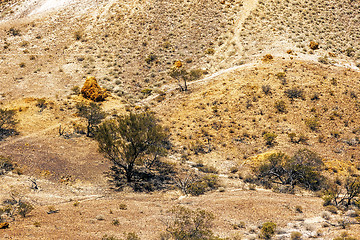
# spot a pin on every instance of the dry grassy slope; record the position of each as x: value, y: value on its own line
x: 233, y: 112
x: 115, y: 38
x: 279, y: 25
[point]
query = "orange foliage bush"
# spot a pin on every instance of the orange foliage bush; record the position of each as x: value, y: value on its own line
x: 314, y: 45
x: 91, y: 90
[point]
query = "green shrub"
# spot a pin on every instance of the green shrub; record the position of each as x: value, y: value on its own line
x: 150, y: 58
x: 132, y: 236
x: 24, y: 208
x: 190, y: 224
x: 296, y: 236
x: 268, y: 230
x: 313, y: 124
x: 270, y: 138
x: 295, y: 92
x: 6, y: 165
x: 280, y: 106
x: 204, y: 184
x: 122, y: 206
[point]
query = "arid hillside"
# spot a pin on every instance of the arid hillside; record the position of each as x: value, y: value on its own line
x: 263, y: 77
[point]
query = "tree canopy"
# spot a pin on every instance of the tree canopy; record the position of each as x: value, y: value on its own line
x: 132, y: 142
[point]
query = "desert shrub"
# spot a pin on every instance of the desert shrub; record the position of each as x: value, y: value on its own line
x: 150, y: 58
x: 75, y: 90
x: 270, y: 138
x: 41, y: 103
x: 296, y: 236
x: 37, y: 224
x: 14, y: 32
x: 186, y: 224
x: 210, y: 51
x: 132, y: 236
x: 299, y: 209
x: 178, y: 72
x: 16, y: 205
x: 234, y: 169
x: 303, y: 168
x: 6, y: 165
x: 197, y: 188
x: 331, y: 209
x: 294, y: 92
x: 280, y: 106
x: 115, y: 222
x: 267, y: 57
x: 203, y: 184
x: 313, y: 123
x: 345, y: 194
x: 107, y: 237
x: 78, y: 35
x: 323, y: 60
x: 294, y: 138
x: 314, y: 45
x: 122, y: 206
x: 198, y: 147
x: 195, y: 74
x: 266, y: 89
x: 268, y: 230
x: 146, y: 91
x: 7, y: 123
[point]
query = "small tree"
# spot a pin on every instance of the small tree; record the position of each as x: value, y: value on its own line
x: 7, y: 122
x: 179, y: 73
x: 92, y: 113
x: 344, y: 193
x: 130, y: 141
x: 303, y: 168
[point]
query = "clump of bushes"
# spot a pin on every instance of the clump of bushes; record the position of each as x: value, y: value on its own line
x: 268, y: 230
x: 185, y: 223
x: 203, y: 184
x: 270, y: 138
x: 295, y: 92
x: 303, y: 169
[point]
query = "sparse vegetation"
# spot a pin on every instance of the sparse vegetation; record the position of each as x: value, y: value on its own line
x: 189, y: 224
